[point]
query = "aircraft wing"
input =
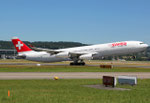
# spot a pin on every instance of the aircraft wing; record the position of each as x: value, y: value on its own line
x: 51, y: 51
x: 71, y: 55
x: 60, y: 53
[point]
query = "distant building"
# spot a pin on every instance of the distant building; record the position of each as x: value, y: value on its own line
x: 7, y: 53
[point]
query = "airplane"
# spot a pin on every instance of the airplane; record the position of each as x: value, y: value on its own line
x: 77, y: 54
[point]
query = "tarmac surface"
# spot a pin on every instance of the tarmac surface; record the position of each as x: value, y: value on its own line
x: 50, y: 64
x: 68, y: 75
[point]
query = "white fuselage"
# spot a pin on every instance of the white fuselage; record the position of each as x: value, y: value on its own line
x: 101, y: 50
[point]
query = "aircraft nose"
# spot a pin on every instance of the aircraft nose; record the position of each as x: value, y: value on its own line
x: 146, y: 45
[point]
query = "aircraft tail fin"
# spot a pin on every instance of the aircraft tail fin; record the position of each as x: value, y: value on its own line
x: 19, y: 45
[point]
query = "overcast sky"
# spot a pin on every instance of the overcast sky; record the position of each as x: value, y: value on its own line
x: 85, y: 21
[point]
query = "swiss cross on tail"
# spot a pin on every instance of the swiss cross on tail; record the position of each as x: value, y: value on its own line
x: 19, y: 45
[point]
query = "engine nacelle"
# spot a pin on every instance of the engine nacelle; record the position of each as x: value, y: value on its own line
x: 21, y: 56
x: 63, y: 54
x: 86, y: 57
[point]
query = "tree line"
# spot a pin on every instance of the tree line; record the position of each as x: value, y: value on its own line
x: 42, y: 44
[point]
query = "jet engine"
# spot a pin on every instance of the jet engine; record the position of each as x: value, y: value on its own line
x: 21, y: 56
x: 86, y: 57
x: 63, y: 54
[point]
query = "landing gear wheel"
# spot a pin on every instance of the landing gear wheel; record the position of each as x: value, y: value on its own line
x: 82, y: 63
x: 77, y: 63
x: 72, y: 63
x: 133, y: 57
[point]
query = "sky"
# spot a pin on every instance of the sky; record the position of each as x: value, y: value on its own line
x: 85, y: 21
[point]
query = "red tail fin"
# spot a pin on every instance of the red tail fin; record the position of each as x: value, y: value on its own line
x: 19, y: 45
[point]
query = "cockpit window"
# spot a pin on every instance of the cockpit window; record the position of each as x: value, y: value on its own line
x: 141, y: 43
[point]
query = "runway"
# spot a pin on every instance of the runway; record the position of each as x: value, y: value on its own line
x: 94, y: 65
x: 68, y: 75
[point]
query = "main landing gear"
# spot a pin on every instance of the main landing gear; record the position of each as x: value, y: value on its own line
x: 133, y: 57
x: 82, y: 63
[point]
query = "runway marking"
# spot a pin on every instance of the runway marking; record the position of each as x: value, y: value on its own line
x: 68, y: 75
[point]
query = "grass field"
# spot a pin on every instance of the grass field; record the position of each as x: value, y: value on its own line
x: 70, y: 91
x: 16, y: 68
